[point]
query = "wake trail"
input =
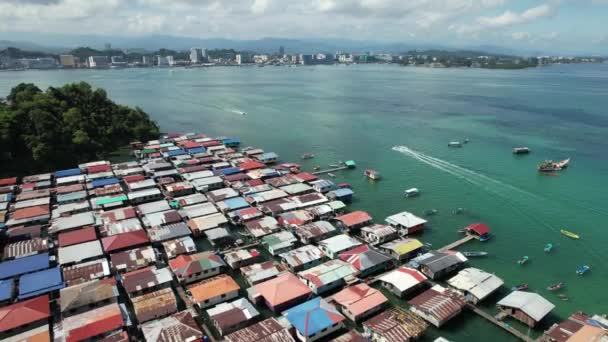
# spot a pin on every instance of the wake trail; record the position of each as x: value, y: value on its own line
x: 491, y: 185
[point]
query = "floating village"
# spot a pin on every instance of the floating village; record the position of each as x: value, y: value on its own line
x: 200, y: 239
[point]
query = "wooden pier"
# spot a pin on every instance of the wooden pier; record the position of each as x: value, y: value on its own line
x: 320, y: 172
x: 507, y: 328
x: 457, y: 243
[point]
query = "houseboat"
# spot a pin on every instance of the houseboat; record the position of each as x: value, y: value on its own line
x: 521, y: 150
x: 372, y: 174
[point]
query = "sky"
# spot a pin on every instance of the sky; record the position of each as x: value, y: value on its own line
x: 567, y: 25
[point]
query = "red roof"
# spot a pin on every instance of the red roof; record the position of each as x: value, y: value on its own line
x: 190, y: 144
x: 305, y: 176
x: 76, y: 236
x: 211, y: 143
x: 413, y: 273
x: 25, y: 312
x: 30, y: 212
x: 98, y: 168
x: 354, y: 218
x: 124, y: 240
x: 195, y: 168
x: 109, y: 322
x: 251, y: 165
x: 27, y: 186
x: 236, y: 177
x: 134, y: 178
x: 8, y: 181
x: 479, y: 228
x: 255, y: 182
x: 69, y: 188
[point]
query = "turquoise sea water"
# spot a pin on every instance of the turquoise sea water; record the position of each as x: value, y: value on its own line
x: 362, y: 112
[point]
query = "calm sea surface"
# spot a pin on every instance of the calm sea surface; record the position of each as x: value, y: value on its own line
x: 363, y: 112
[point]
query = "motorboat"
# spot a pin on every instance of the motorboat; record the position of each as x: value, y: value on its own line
x: 308, y: 156
x: 411, y: 192
x: 582, y: 269
x: 372, y: 174
x: 521, y: 150
x: 548, y: 247
x: 523, y: 260
x: 556, y: 287
x: 520, y: 287
x: 551, y: 166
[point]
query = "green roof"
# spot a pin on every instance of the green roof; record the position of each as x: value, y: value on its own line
x: 104, y: 201
x: 349, y: 163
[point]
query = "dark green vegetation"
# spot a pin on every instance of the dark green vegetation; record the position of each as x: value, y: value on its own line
x: 61, y: 127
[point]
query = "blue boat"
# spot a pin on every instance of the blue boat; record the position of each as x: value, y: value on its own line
x: 548, y: 247
x: 582, y: 269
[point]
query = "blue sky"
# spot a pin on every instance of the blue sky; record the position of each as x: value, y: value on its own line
x: 555, y: 25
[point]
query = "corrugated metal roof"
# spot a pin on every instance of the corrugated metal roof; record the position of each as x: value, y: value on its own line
x: 403, y: 278
x: 532, y: 304
x: 167, y: 232
x: 405, y: 219
x: 41, y: 282
x: 364, y: 257
x: 396, y: 325
x: 76, y: 237
x: 198, y: 210
x: 12, y: 268
x: 328, y: 272
x: 180, y: 326
x: 262, y: 226
x: 86, y: 271
x: 133, y: 259
x: 315, y: 229
x: 359, y: 298
x: 476, y: 282
x: 186, y: 265
x: 439, y: 302
x: 227, y: 315
x: 175, y: 247
x: 154, y: 305
x: 302, y: 255
x: 262, y: 271
x: 71, y: 222
x: 25, y: 248
x: 91, y: 323
x: 25, y: 312
x: 354, y: 218
x: 268, y: 330
x: 88, y: 293
x: 145, y: 278
x: 79, y: 252
x: 339, y: 243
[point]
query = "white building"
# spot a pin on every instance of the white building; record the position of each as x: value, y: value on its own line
x: 96, y: 62
x: 162, y: 61
x: 260, y: 59
x: 196, y: 55
x: 475, y: 284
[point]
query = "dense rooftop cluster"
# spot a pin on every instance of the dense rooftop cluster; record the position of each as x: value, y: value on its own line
x: 198, y: 236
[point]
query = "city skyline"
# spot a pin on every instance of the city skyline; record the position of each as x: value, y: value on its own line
x: 567, y: 26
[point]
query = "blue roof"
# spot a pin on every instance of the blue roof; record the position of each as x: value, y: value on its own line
x: 344, y: 192
x: 10, y: 269
x: 325, y: 183
x: 174, y: 153
x: 230, y: 171
x: 231, y: 141
x: 313, y: 316
x: 236, y: 203
x: 196, y: 150
x: 6, y: 289
x: 66, y: 173
x: 34, y: 284
x: 103, y: 182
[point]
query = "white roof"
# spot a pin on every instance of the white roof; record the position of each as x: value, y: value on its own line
x: 532, y: 304
x: 297, y: 188
x: 153, y: 207
x: 477, y: 282
x: 197, y: 175
x: 266, y: 196
x: 302, y: 255
x: 70, y: 207
x: 144, y: 193
x: 142, y: 184
x: 207, y: 222
x: 79, y: 252
x: 198, y: 210
x: 204, y: 182
x: 32, y: 203
x: 339, y: 243
x: 240, y: 304
x: 74, y: 221
x: 403, y: 278
x: 405, y: 219
x: 70, y: 179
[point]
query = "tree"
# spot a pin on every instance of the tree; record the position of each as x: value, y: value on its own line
x: 61, y: 127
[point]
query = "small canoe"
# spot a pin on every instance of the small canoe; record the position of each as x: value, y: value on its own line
x: 520, y: 287
x: 556, y: 287
x: 548, y: 247
x: 562, y: 297
x: 523, y: 260
x: 570, y: 234
x: 582, y: 269
x: 334, y: 165
x: 475, y: 254
x: 331, y: 175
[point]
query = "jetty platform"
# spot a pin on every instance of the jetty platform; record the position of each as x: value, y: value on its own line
x: 492, y: 319
x: 320, y: 172
x: 457, y: 243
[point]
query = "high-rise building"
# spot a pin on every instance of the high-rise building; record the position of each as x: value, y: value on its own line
x: 97, y: 62
x: 306, y: 59
x: 196, y: 55
x: 281, y: 50
x: 67, y: 61
x: 146, y: 60
x: 171, y: 60
x: 204, y: 52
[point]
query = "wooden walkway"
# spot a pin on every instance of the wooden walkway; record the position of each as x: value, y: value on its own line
x: 239, y: 248
x: 507, y: 328
x: 320, y: 172
x: 457, y: 243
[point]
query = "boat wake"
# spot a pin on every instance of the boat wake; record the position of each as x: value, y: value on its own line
x: 521, y: 203
x: 239, y: 112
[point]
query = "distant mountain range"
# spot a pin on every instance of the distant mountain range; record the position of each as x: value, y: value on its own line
x: 57, y: 43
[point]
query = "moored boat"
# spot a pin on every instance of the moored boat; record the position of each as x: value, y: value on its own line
x: 551, y: 166
x: 331, y: 175
x: 520, y: 287
x: 308, y: 156
x: 521, y: 150
x: 582, y: 269
x: 431, y: 212
x: 523, y: 260
x: 569, y: 234
x: 372, y: 174
x: 411, y: 192
x: 344, y: 186
x: 548, y: 247
x: 475, y: 254
x: 556, y: 287
x: 562, y: 297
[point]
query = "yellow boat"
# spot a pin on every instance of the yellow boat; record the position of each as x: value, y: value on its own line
x: 570, y: 234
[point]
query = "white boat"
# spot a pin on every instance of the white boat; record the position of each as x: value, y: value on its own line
x: 454, y: 144
x: 521, y: 150
x: 331, y: 175
x: 411, y: 192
